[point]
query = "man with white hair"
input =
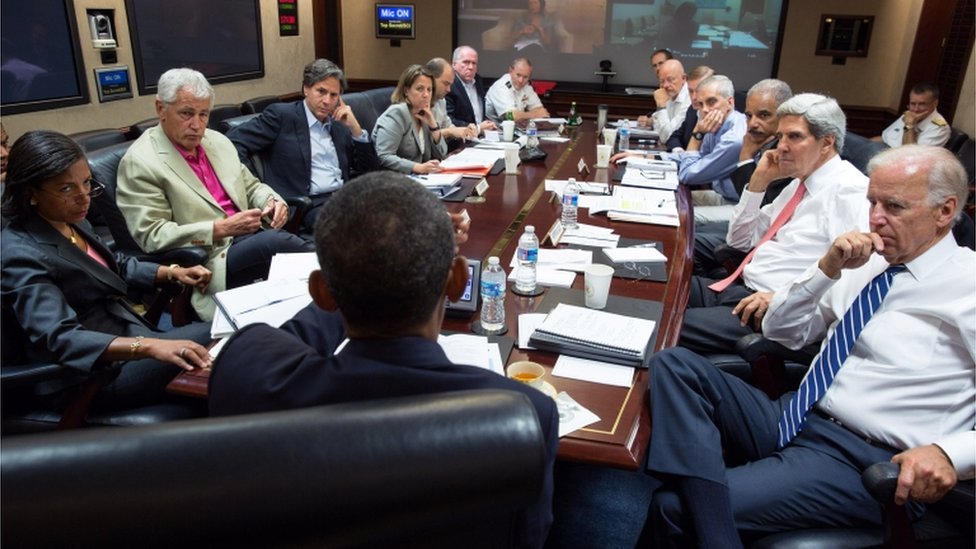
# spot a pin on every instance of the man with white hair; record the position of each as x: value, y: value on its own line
x: 466, y: 98
x: 824, y: 200
x: 669, y: 115
x: 181, y: 184
x: 895, y: 307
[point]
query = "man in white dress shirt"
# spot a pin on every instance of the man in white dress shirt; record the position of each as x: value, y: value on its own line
x: 466, y: 98
x: 670, y: 115
x: 906, y: 392
x: 512, y: 96
x: 811, y: 136
x: 921, y: 123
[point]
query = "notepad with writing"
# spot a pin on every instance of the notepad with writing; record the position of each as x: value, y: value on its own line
x: 589, y: 333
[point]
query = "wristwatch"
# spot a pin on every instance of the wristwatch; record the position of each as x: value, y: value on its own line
x: 699, y: 136
x: 908, y: 127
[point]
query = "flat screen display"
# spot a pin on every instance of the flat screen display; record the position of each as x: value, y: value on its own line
x: 40, y: 63
x: 219, y: 38
x: 566, y: 39
x: 395, y: 21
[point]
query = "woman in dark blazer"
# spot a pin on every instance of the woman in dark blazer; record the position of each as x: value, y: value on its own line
x: 406, y: 135
x: 64, y: 293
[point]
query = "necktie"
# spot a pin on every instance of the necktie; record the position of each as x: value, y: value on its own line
x: 829, y: 361
x: 780, y: 220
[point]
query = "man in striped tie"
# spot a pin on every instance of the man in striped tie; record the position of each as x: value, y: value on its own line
x: 824, y: 200
x: 895, y: 380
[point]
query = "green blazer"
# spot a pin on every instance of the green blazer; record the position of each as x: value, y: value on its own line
x: 166, y: 206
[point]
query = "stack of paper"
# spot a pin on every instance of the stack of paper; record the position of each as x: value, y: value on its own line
x: 656, y: 207
x: 472, y: 161
x: 272, y: 302
x: 598, y: 335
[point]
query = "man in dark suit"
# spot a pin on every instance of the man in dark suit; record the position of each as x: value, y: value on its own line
x: 308, y: 148
x: 466, y: 100
x: 384, y: 289
x: 681, y: 136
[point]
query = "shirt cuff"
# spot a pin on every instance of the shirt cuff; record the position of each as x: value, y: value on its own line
x: 362, y: 138
x: 961, y: 449
x: 744, y: 162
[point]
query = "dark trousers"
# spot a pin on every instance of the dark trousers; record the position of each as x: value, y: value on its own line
x: 249, y: 256
x: 713, y: 426
x: 708, y: 238
x: 709, y: 326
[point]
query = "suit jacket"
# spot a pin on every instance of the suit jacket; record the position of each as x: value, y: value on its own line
x: 741, y: 176
x: 166, y: 206
x: 396, y: 141
x: 263, y: 368
x: 280, y: 136
x: 60, y: 305
x: 459, y: 106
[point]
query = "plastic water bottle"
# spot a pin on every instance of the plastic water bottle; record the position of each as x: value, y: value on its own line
x: 528, y: 257
x: 570, y: 202
x: 532, y: 132
x: 624, y: 134
x: 493, y: 296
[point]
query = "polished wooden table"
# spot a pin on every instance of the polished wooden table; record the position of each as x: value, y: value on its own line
x: 620, y: 438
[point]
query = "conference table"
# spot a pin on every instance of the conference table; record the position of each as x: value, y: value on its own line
x: 512, y: 201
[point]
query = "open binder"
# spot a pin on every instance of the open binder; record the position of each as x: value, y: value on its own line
x: 598, y: 335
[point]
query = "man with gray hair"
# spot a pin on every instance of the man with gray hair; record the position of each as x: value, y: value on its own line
x: 895, y: 307
x: 181, y: 184
x: 670, y: 113
x: 824, y: 199
x: 512, y: 96
x: 466, y: 98
x: 310, y: 147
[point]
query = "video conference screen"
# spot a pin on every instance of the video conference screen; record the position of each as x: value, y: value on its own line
x: 567, y: 39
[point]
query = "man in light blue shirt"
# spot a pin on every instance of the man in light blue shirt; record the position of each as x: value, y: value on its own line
x: 309, y: 147
x: 713, y: 152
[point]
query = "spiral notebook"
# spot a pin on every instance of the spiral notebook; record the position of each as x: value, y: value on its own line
x: 589, y: 333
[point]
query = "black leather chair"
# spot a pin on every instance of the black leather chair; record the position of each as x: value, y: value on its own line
x: 447, y: 470
x: 859, y: 150
x: 104, y: 165
x: 257, y: 104
x: 956, y: 139
x: 91, y: 140
x: 139, y: 128
x: 369, y: 105
x: 219, y: 113
x: 227, y: 124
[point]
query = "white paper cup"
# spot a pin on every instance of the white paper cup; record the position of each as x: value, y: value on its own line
x: 603, y: 155
x: 609, y: 136
x: 508, y: 130
x: 597, y: 284
x: 530, y: 373
x: 511, y: 157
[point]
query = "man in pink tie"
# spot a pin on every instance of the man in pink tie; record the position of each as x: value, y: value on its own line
x: 824, y: 200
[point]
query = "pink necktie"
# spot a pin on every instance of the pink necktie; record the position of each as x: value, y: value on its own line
x: 781, y: 220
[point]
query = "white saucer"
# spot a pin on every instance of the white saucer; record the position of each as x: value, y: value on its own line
x: 548, y: 389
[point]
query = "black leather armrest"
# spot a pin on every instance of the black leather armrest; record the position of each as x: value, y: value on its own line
x: 297, y: 205
x: 185, y: 257
x: 880, y: 480
x: 754, y: 346
x: 28, y: 374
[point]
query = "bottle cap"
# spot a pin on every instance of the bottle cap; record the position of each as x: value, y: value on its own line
x: 530, y: 228
x: 493, y: 260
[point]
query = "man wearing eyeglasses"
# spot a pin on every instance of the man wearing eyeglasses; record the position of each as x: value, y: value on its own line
x: 670, y: 115
x: 921, y: 123
x: 181, y: 184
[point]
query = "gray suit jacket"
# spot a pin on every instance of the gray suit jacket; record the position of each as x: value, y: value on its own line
x: 60, y: 305
x: 396, y: 141
x: 166, y: 206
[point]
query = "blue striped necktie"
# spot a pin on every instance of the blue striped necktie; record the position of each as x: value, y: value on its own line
x: 815, y: 384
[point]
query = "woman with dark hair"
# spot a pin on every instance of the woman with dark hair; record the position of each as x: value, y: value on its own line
x: 406, y: 135
x: 534, y: 30
x: 64, y: 293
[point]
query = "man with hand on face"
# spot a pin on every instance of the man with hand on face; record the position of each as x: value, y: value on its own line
x: 824, y: 200
x: 466, y: 98
x: 681, y: 135
x: 512, y: 97
x: 310, y: 147
x: 657, y: 61
x: 921, y: 123
x: 443, y: 75
x: 670, y: 113
x: 896, y: 310
x: 181, y: 184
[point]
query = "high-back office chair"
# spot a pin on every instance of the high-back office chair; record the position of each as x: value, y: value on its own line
x: 438, y: 470
x: 139, y: 128
x: 257, y: 104
x: 104, y: 165
x: 368, y: 105
x: 91, y: 140
x: 219, y: 113
x: 859, y: 150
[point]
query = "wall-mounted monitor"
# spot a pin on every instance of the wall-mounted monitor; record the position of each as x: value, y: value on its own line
x: 739, y: 38
x: 220, y: 38
x: 395, y: 21
x: 40, y: 56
